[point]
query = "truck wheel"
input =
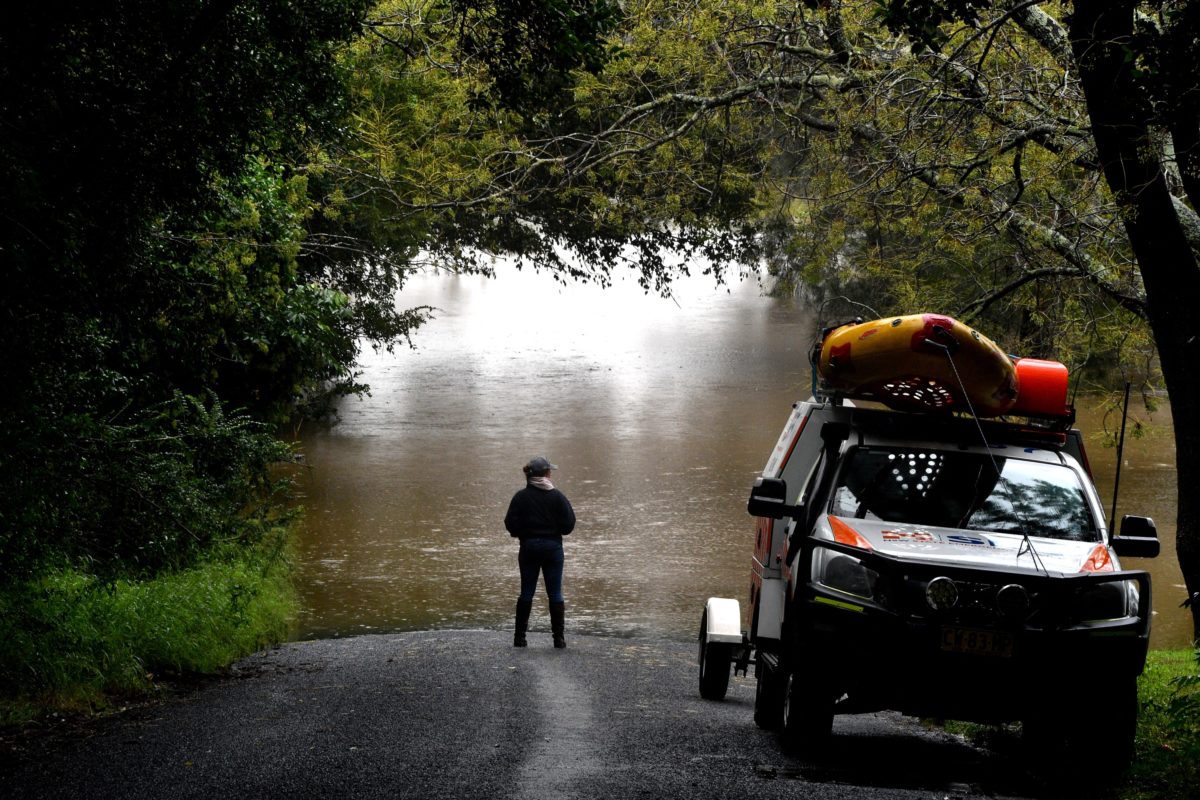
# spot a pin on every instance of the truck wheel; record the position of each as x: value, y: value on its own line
x: 1123, y: 731
x: 768, y: 697
x: 1043, y: 740
x: 716, y: 662
x: 1108, y: 725
x: 807, y: 713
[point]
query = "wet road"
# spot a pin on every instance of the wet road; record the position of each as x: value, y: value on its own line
x: 462, y: 714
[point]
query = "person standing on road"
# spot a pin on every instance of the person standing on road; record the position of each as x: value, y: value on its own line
x: 540, y: 515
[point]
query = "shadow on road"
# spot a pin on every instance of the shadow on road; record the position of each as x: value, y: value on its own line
x: 919, y: 760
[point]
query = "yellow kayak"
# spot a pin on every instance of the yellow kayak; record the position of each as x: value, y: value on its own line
x: 919, y: 362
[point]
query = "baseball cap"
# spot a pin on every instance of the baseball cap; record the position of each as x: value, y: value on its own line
x: 539, y: 464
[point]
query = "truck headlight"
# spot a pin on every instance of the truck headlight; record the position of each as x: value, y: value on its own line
x: 844, y: 573
x: 1104, y: 601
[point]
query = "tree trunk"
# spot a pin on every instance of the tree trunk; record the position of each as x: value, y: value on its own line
x: 1100, y: 34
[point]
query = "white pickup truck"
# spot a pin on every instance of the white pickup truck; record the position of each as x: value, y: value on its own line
x: 941, y: 566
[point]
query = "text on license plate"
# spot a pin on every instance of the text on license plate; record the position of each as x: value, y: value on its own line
x: 976, y: 642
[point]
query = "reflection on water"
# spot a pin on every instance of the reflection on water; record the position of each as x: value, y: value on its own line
x: 659, y: 413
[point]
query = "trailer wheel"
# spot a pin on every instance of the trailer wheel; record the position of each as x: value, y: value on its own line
x: 716, y: 662
x: 768, y: 697
x: 807, y: 712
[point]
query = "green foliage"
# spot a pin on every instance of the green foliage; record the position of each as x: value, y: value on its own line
x: 72, y: 640
x: 926, y: 185
x: 1168, y: 740
x: 137, y: 494
x: 532, y: 48
x: 119, y: 111
x: 273, y: 335
x: 444, y: 98
x: 475, y: 178
x: 156, y: 313
x: 866, y: 173
x: 1184, y: 706
x: 923, y: 21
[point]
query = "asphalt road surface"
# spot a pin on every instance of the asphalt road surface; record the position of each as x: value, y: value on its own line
x: 463, y: 714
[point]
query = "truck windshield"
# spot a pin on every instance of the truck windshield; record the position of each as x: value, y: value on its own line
x: 955, y: 489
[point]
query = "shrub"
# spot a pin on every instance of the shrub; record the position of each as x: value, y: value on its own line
x: 73, y: 639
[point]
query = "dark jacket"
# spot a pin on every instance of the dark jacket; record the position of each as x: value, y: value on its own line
x: 539, y: 514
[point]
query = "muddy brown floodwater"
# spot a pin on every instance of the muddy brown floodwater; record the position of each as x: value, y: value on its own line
x: 659, y: 413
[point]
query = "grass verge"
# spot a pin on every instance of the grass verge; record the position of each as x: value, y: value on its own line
x: 1168, y: 739
x: 73, y: 642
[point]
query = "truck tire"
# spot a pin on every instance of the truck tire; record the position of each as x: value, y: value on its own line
x: 716, y: 662
x: 768, y: 697
x: 807, y: 712
x: 1122, y: 733
x: 1108, y: 725
x: 1058, y: 732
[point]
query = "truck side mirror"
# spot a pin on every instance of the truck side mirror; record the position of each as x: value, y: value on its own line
x: 1138, y: 538
x: 768, y: 498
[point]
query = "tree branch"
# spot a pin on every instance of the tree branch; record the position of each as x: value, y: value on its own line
x: 981, y: 304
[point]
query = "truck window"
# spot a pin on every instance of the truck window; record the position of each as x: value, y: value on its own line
x: 955, y: 489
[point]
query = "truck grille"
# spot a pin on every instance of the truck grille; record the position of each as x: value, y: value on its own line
x: 1009, y: 604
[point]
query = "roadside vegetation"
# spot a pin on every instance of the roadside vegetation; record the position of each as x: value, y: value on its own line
x: 77, y: 643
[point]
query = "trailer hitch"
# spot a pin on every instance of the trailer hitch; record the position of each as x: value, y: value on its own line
x: 742, y: 656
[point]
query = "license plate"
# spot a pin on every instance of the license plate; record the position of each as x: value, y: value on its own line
x: 977, y: 642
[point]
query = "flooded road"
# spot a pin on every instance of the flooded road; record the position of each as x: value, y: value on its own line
x: 659, y: 413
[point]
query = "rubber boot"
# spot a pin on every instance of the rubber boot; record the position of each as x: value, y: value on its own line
x: 558, y: 614
x: 523, y: 609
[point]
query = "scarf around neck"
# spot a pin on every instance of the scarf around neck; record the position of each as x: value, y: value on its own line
x: 542, y: 483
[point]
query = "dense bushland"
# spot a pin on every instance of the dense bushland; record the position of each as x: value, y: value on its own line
x: 158, y: 320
